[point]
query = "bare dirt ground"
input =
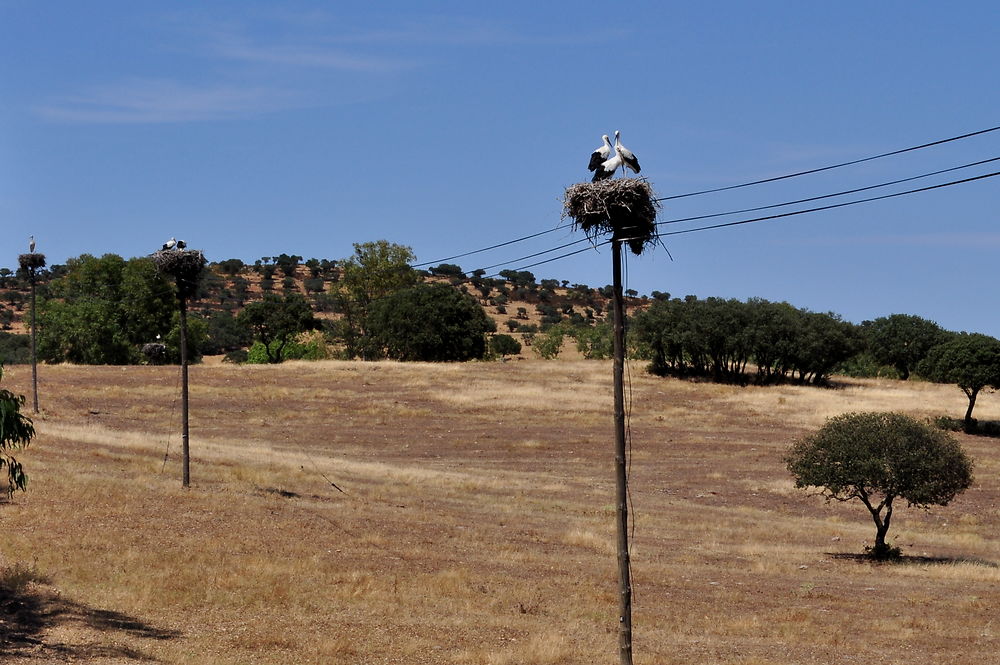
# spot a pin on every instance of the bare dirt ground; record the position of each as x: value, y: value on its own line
x: 477, y: 523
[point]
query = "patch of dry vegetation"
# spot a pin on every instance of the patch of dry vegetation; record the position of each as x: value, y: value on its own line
x: 477, y: 527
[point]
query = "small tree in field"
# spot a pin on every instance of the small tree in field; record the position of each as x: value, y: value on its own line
x: 877, y: 458
x: 504, y: 345
x: 16, y: 432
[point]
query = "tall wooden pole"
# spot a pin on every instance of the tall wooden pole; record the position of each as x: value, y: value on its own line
x: 621, y: 480
x: 185, y: 450
x: 34, y: 353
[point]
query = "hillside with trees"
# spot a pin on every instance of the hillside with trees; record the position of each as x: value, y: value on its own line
x: 374, y: 304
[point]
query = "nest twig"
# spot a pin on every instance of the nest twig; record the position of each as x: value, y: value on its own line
x: 184, y: 265
x: 32, y: 261
x: 624, y: 207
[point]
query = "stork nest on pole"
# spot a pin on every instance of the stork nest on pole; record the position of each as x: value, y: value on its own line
x: 624, y: 207
x: 31, y: 262
x: 184, y: 265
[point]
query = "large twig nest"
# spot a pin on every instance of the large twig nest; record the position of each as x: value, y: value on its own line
x: 184, y: 265
x: 31, y: 262
x: 624, y: 207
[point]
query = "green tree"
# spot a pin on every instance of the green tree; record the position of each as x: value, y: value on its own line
x: 427, y: 322
x: 376, y: 270
x: 548, y: 344
x: 970, y: 360
x: 16, y: 432
x: 103, y: 309
x: 902, y: 340
x: 275, y: 321
x: 504, y: 345
x: 877, y: 458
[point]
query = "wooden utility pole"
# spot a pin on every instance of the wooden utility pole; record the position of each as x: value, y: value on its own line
x: 30, y: 263
x: 621, y: 479
x: 34, y: 348
x: 185, y: 448
x: 185, y: 266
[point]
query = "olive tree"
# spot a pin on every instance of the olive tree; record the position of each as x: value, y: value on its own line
x: 16, y: 432
x: 878, y: 458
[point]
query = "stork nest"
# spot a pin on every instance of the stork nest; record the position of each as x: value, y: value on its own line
x: 31, y: 262
x: 184, y: 265
x: 624, y: 207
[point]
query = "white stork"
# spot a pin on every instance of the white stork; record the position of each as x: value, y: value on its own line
x: 181, y: 244
x: 628, y: 159
x: 600, y: 155
x: 170, y: 244
x: 31, y: 244
x: 607, y: 168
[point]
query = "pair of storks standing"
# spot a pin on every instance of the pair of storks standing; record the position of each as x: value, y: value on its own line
x: 604, y: 166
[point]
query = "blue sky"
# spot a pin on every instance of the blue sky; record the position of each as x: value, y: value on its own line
x: 252, y: 128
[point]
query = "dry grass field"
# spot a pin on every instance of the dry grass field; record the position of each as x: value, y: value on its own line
x: 476, y: 527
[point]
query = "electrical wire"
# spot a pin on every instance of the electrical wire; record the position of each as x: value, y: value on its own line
x: 486, y: 249
x: 829, y: 196
x: 832, y: 166
x: 828, y: 207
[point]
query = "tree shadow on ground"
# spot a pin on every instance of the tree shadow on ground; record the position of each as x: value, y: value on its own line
x: 28, y: 611
x: 913, y: 560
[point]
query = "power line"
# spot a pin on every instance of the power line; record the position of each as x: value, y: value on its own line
x: 828, y: 196
x: 832, y: 166
x: 777, y: 216
x: 748, y: 184
x: 486, y: 249
x: 830, y: 207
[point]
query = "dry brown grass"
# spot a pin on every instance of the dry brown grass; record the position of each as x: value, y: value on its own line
x: 477, y: 527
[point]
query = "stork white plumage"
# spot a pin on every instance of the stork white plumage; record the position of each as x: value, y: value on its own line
x: 170, y: 244
x: 628, y: 159
x: 181, y: 244
x: 600, y: 155
x: 607, y: 168
x: 31, y: 244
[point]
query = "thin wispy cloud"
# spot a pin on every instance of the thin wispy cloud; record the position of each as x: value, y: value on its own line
x: 294, y: 55
x: 166, y: 101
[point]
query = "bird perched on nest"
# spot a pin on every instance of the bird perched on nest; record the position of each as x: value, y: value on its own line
x: 181, y: 244
x: 600, y: 155
x: 170, y: 244
x: 31, y: 244
x: 628, y: 158
x: 604, y: 167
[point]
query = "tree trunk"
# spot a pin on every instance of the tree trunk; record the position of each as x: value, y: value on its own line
x: 972, y: 394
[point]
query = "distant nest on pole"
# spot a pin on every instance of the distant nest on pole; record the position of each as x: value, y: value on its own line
x: 184, y: 265
x: 31, y: 262
x: 624, y: 207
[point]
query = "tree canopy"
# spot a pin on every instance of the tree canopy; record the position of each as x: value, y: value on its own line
x: 879, y: 457
x: 375, y: 270
x: 902, y: 340
x: 720, y: 338
x: 276, y: 320
x: 16, y: 432
x: 970, y: 360
x: 429, y: 322
x: 103, y: 309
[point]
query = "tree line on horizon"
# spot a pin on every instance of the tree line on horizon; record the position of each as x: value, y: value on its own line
x: 106, y: 310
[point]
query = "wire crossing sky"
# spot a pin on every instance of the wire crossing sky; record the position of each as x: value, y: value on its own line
x: 250, y: 129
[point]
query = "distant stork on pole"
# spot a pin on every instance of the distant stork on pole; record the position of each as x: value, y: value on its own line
x: 628, y: 158
x: 31, y: 244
